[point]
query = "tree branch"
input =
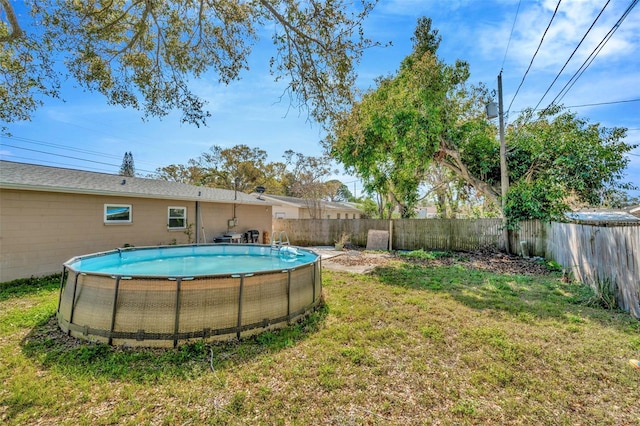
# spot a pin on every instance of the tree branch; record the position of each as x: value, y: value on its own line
x: 288, y: 25
x: 16, y: 31
x: 453, y: 162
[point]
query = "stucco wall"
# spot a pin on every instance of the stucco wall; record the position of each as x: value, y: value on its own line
x: 285, y: 212
x: 215, y: 219
x: 41, y: 230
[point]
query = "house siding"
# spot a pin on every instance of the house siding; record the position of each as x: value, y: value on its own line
x: 39, y: 231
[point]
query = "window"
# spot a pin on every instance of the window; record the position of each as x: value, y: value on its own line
x: 338, y: 216
x: 177, y: 217
x: 280, y: 215
x: 117, y: 213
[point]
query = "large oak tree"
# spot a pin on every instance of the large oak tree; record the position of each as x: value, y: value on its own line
x: 144, y: 53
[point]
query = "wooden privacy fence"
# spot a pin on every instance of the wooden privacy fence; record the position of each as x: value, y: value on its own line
x: 604, y: 257
x: 410, y: 234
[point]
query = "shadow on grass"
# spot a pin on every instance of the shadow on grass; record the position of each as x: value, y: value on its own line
x: 527, y: 297
x: 73, y: 357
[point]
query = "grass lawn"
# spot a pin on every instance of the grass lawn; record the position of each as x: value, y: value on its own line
x: 407, y: 344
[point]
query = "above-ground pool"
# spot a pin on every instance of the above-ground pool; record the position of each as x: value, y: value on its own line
x: 164, y: 296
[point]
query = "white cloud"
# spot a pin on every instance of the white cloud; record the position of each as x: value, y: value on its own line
x: 569, y: 26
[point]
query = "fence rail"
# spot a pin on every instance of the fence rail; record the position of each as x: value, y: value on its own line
x: 605, y: 257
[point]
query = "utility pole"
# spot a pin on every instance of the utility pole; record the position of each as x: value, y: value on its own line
x: 504, y: 175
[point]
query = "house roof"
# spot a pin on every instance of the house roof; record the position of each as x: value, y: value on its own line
x: 54, y: 179
x: 603, y: 216
x: 634, y: 210
x: 302, y: 203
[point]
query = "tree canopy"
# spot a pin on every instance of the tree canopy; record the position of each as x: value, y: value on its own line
x: 391, y: 135
x: 427, y: 115
x: 143, y: 54
x: 243, y: 168
x: 127, y: 168
x: 559, y: 161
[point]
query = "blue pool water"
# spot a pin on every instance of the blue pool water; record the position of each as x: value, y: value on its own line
x: 190, y: 261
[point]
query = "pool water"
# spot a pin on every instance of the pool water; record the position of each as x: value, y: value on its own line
x: 193, y: 260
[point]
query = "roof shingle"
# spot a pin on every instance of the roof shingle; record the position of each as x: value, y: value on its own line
x: 54, y: 179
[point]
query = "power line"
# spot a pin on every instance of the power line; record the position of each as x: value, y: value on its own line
x: 101, y: 155
x: 69, y: 156
x: 57, y: 164
x: 511, y: 34
x: 572, y: 53
x: 534, y: 55
x: 604, y: 103
x: 593, y: 104
x: 592, y: 55
x: 59, y: 155
x: 53, y: 145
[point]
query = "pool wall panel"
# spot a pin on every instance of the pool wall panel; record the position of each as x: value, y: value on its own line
x: 164, y: 312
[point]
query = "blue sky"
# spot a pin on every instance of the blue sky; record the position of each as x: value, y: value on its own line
x: 252, y: 112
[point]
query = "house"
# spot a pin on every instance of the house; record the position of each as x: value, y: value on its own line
x: 49, y: 215
x: 426, y: 212
x: 634, y: 210
x: 303, y: 208
x: 603, y: 217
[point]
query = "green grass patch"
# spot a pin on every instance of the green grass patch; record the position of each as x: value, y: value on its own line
x: 408, y: 344
x: 28, y: 286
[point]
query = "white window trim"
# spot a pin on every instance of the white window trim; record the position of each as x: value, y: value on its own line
x: 183, y: 208
x: 127, y: 206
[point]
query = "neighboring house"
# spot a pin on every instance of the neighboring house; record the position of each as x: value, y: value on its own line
x: 49, y: 215
x: 302, y: 208
x: 426, y: 212
x: 603, y: 217
x: 634, y: 210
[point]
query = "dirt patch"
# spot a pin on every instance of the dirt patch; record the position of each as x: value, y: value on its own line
x: 485, y: 259
x: 358, y: 261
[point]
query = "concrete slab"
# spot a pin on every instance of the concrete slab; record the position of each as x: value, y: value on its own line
x: 326, y: 252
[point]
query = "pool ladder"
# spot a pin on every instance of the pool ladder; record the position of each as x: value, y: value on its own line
x: 279, y: 239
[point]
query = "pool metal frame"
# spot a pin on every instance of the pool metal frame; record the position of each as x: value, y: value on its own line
x: 188, y: 308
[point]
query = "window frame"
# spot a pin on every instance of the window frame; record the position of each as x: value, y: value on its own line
x: 183, y: 218
x: 114, y: 206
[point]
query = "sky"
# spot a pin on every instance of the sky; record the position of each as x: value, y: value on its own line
x: 83, y: 132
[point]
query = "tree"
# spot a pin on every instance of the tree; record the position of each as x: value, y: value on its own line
x: 239, y: 168
x: 392, y: 134
x: 370, y: 208
x: 427, y: 115
x: 143, y: 54
x: 307, y: 179
x: 338, y: 191
x: 618, y: 199
x: 127, y: 168
x: 559, y: 162
x: 190, y: 174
